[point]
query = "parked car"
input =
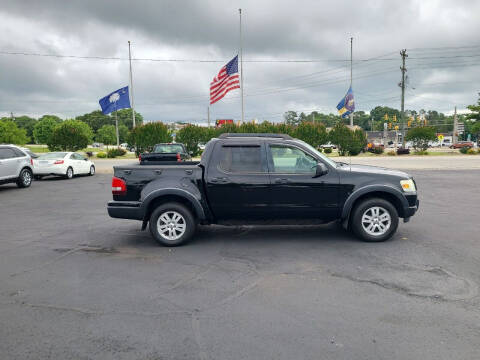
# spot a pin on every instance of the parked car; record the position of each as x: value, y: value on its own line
x: 16, y: 166
x: 461, y: 144
x: 261, y: 178
x: 166, y: 152
x: 67, y: 164
x: 329, y: 145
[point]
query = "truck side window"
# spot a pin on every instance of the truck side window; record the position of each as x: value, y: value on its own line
x: 291, y: 160
x: 241, y: 159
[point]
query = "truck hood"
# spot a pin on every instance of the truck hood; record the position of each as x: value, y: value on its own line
x: 367, y: 169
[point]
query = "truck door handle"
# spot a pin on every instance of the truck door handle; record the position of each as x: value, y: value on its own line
x: 281, y: 181
x: 220, y: 180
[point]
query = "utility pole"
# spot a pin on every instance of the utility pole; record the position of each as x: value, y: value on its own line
x: 351, y: 74
x: 208, y: 115
x: 404, y: 55
x: 455, y: 126
x: 130, y: 90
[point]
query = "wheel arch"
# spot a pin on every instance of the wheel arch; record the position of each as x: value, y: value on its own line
x: 173, y: 195
x: 394, y: 196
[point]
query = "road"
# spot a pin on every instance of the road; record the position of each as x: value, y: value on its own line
x: 76, y: 284
x: 433, y: 162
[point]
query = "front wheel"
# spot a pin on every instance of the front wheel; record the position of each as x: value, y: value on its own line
x: 172, y: 224
x: 92, y: 170
x: 374, y: 220
x: 25, y: 178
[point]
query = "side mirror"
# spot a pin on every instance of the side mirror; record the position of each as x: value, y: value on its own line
x: 321, y: 170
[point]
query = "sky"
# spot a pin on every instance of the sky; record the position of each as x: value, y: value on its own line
x: 296, y: 55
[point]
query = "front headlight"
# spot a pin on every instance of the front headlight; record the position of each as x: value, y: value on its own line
x: 408, y: 185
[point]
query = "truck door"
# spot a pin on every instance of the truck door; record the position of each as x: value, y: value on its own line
x: 238, y: 183
x: 296, y: 192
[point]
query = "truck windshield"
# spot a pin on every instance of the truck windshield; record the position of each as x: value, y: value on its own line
x: 168, y: 148
x: 319, y: 154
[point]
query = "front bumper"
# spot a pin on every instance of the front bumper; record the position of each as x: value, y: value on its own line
x: 125, y: 210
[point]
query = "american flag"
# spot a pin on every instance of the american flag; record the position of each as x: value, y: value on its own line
x: 226, y: 80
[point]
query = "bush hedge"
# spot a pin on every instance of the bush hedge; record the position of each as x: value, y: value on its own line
x: 101, y: 155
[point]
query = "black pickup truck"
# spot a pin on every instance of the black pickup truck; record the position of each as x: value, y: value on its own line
x: 165, y: 152
x: 261, y: 179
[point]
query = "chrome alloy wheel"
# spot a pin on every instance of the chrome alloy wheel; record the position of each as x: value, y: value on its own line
x: 171, y: 225
x: 376, y: 221
x: 26, y: 178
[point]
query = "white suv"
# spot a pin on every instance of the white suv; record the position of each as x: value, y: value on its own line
x: 16, y: 166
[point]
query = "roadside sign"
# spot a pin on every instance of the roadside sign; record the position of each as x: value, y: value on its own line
x: 440, y: 137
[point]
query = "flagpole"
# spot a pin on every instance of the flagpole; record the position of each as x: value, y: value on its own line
x: 351, y: 74
x: 241, y: 64
x: 131, y: 84
x: 116, y: 126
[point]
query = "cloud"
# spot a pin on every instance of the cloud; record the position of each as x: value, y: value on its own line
x: 273, y: 30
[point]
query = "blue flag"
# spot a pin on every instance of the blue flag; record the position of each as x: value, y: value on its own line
x: 347, y: 105
x: 116, y: 100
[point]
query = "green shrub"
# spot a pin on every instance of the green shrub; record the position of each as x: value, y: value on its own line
x: 377, y: 150
x: 328, y: 150
x: 420, y: 136
x: 471, y: 151
x: 391, y: 153
x: 101, y: 155
x: 112, y: 153
x: 319, y: 149
x: 464, y: 150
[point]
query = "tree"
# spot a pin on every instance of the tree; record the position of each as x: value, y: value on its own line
x: 123, y: 133
x: 27, y: 123
x: 420, y: 136
x: 95, y: 119
x: 107, y: 135
x: 70, y: 135
x: 476, y: 128
x: 291, y: 118
x: 191, y: 136
x: 11, y: 134
x: 348, y: 141
x: 44, y: 127
x: 475, y: 109
x: 314, y: 134
x: 144, y: 137
x: 125, y: 118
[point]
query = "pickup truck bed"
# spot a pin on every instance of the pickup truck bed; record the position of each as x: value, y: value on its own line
x: 261, y: 178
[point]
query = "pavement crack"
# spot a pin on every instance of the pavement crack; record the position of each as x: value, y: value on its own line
x: 389, y: 286
x: 41, y: 266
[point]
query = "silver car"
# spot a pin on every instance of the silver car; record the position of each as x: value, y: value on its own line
x: 16, y: 166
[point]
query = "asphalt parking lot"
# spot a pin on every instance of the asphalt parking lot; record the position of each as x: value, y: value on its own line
x: 76, y: 284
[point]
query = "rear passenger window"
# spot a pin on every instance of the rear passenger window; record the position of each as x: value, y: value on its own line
x: 7, y: 153
x: 241, y: 159
x: 18, y: 153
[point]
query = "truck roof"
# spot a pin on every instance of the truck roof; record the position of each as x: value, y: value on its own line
x: 255, y: 135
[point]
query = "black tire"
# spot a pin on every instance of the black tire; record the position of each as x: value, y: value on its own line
x: 25, y: 178
x: 169, y: 209
x: 92, y: 171
x: 69, y: 174
x: 365, y: 208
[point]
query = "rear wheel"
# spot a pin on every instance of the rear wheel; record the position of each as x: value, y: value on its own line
x: 25, y: 178
x: 69, y: 173
x: 374, y: 220
x: 172, y: 224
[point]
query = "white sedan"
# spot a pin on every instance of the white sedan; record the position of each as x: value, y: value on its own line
x: 66, y: 164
